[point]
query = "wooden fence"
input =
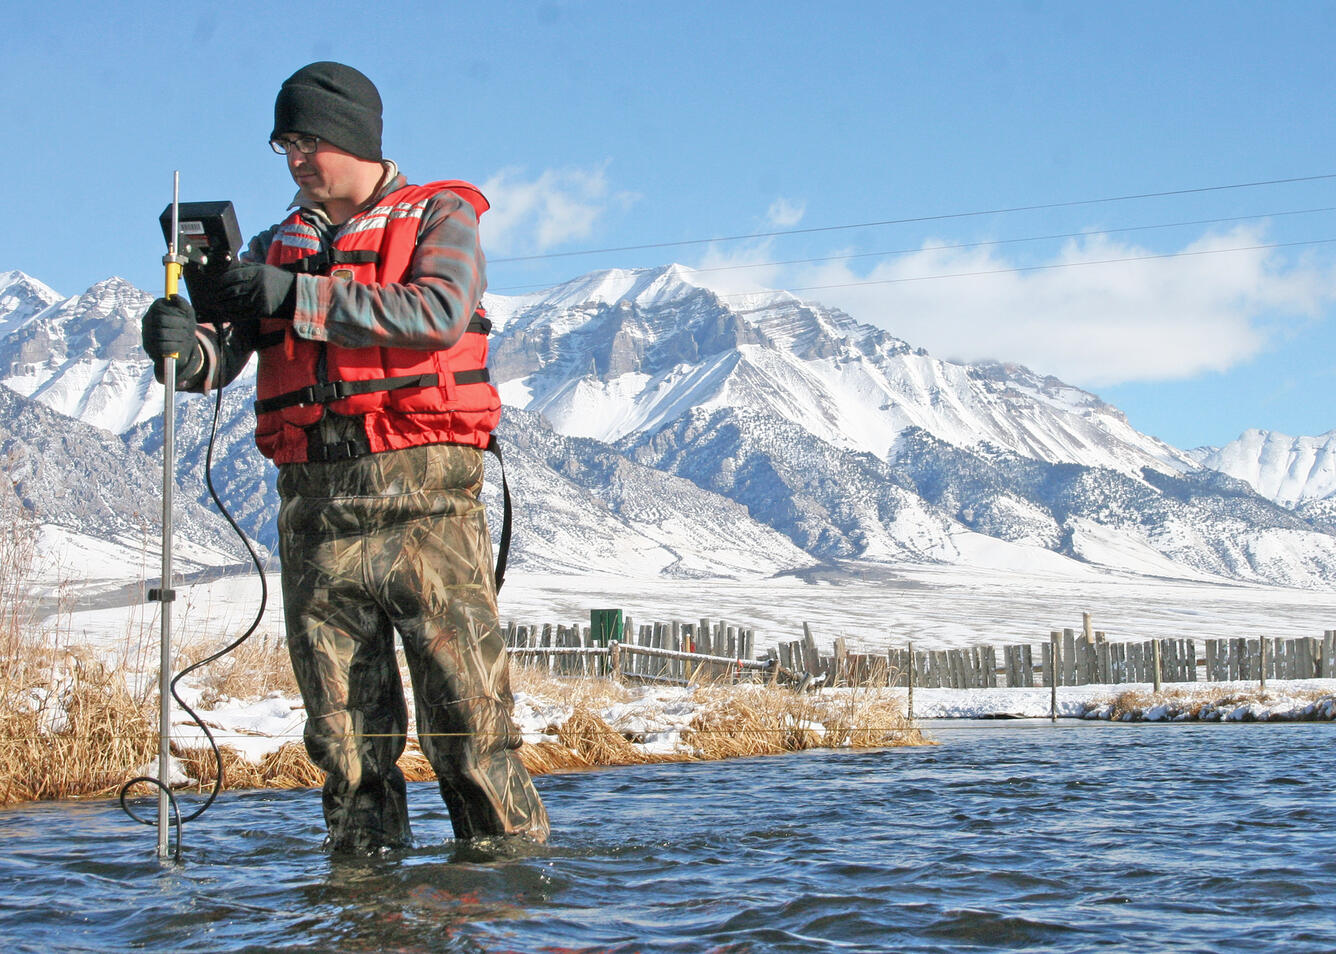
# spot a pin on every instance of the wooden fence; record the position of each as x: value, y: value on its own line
x: 674, y: 652
x: 1070, y: 658
x: 680, y: 652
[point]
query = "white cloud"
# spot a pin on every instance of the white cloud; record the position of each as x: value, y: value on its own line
x: 784, y: 214
x: 1085, y: 318
x: 533, y: 215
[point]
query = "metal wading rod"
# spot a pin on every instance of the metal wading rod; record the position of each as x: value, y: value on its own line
x: 166, y: 594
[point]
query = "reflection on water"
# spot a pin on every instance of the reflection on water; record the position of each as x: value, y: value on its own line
x: 1018, y: 836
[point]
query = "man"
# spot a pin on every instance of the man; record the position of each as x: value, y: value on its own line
x: 374, y: 403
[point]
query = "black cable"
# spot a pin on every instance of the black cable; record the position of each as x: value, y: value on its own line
x: 955, y: 246
x: 171, y: 799
x: 255, y: 624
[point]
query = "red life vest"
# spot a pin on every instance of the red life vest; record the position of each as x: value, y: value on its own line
x: 405, y: 397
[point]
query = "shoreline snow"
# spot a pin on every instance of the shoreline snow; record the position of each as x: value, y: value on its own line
x: 655, y: 718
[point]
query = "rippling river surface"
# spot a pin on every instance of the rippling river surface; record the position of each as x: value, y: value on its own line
x: 1006, y: 836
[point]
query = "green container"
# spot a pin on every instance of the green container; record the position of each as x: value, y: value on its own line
x: 605, y: 625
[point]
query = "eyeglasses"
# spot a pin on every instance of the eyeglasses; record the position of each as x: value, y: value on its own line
x: 303, y: 144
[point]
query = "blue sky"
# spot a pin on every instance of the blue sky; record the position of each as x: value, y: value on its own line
x: 603, y: 125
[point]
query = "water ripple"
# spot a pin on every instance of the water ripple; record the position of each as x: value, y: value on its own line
x: 1082, y: 838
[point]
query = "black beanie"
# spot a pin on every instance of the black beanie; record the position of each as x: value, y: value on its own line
x: 334, y: 102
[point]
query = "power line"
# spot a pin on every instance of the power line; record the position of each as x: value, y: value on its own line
x: 989, y: 243
x: 1036, y: 268
x: 920, y: 218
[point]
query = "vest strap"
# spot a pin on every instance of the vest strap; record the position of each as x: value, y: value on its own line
x: 339, y: 450
x: 328, y: 258
x: 331, y: 391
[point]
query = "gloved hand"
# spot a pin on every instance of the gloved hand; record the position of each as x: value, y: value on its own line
x: 256, y: 291
x: 168, y: 327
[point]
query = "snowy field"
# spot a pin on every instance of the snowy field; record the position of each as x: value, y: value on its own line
x: 935, y: 606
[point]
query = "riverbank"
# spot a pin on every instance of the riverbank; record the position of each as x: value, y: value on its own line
x: 89, y: 729
x: 1279, y: 701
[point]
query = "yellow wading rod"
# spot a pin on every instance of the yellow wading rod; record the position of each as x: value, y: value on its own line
x: 166, y: 594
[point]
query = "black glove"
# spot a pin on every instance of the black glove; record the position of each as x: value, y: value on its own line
x: 168, y: 327
x: 256, y: 291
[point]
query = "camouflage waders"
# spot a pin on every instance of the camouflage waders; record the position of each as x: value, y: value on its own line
x: 398, y: 541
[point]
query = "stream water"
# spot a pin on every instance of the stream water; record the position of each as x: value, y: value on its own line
x: 1005, y: 836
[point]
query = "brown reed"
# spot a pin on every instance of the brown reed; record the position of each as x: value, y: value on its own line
x: 1190, y: 700
x: 258, y: 667
x: 69, y: 726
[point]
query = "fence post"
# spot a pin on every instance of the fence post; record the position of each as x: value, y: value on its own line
x: 1103, y: 661
x: 811, y: 655
x: 1053, y: 681
x: 1155, y: 664
x: 911, y: 680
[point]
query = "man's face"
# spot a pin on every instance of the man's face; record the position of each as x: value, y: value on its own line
x: 328, y: 174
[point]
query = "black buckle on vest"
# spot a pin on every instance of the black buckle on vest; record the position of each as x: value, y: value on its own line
x: 340, y: 450
x: 323, y: 393
x: 320, y: 262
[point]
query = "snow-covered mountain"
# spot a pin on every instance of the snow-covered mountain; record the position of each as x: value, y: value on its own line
x: 81, y: 356
x: 654, y: 424
x: 1288, y: 470
x: 97, y: 502
x: 622, y: 352
x: 21, y: 298
x: 857, y: 446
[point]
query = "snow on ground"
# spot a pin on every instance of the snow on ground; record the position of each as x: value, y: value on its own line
x: 656, y: 717
x: 254, y: 728
x: 1282, y: 699
x: 936, y: 606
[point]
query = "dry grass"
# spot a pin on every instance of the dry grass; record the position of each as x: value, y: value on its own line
x: 108, y: 733
x: 73, y: 725
x: 580, y: 693
x: 253, y: 670
x: 868, y: 718
x: 69, y: 726
x: 1193, y: 701
x: 598, y: 743
x: 761, y: 720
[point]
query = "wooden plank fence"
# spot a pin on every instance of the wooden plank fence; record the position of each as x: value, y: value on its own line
x: 675, y: 652
x: 680, y: 652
